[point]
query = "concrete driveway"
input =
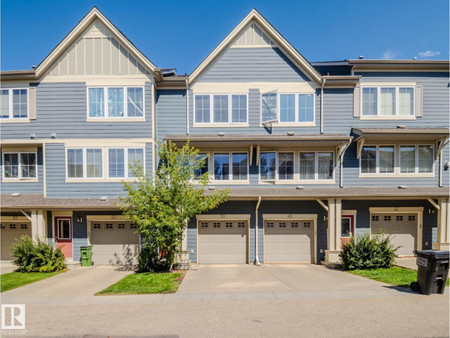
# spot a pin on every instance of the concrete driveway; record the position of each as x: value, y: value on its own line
x: 272, y: 278
x: 7, y: 267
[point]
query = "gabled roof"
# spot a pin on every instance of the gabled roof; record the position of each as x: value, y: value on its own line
x: 288, y: 49
x: 93, y: 14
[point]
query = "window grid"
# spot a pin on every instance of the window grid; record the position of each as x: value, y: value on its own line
x: 375, y: 218
x: 216, y: 224
x: 12, y: 226
x: 307, y: 224
x: 24, y: 226
x: 269, y: 224
x: 282, y: 224
x: 241, y: 224
x: 399, y: 218
x: 109, y: 226
x: 97, y: 226
x: 115, y: 102
x: 204, y: 224
x: 387, y: 218
x: 411, y: 218
x: 228, y: 225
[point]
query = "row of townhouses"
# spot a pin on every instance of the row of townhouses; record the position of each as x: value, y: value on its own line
x: 313, y: 152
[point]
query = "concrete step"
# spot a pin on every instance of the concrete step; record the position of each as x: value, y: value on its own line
x: 72, y: 264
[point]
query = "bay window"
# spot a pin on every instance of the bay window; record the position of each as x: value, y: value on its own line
x: 387, y: 101
x: 220, y: 108
x: 115, y: 102
x: 22, y: 165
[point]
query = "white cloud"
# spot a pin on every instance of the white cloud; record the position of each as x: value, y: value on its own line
x: 429, y: 54
x: 389, y: 54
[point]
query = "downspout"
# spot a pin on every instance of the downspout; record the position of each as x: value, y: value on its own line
x: 256, y: 232
x: 321, y: 105
x: 187, y: 107
x: 153, y: 132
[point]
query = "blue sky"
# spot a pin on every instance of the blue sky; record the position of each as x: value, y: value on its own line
x: 182, y: 33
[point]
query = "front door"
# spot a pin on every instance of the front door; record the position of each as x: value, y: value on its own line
x: 63, y: 235
x: 348, y: 228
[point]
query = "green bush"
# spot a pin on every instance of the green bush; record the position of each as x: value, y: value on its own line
x: 36, y: 256
x: 149, y: 260
x: 368, y: 252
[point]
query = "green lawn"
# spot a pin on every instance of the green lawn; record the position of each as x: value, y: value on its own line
x: 138, y: 283
x: 14, y: 280
x: 396, y: 275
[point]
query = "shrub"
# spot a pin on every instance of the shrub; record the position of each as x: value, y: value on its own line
x: 368, y: 252
x: 36, y: 256
x: 150, y: 260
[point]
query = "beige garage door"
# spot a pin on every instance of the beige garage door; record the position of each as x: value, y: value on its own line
x: 222, y: 242
x: 402, y: 227
x: 9, y: 232
x: 114, y: 243
x: 288, y: 241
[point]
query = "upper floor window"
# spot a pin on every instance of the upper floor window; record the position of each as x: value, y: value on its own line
x: 115, y: 102
x: 387, y: 101
x: 382, y: 159
x: 205, y: 168
x: 231, y: 166
x: 14, y: 103
x: 287, y: 108
x: 19, y: 165
x: 221, y: 108
x: 316, y: 165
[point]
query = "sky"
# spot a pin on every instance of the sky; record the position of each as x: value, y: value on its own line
x: 181, y: 34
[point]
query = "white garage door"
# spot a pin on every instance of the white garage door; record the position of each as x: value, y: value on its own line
x: 222, y: 242
x: 288, y: 241
x: 402, y: 227
x: 9, y: 232
x: 114, y: 243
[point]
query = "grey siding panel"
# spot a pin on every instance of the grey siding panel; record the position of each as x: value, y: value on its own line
x: 252, y: 64
x: 24, y: 187
x: 171, y: 113
x: 62, y: 109
x: 363, y: 215
x: 57, y: 187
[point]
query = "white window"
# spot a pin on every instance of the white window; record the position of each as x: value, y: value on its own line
x: 287, y: 108
x: 285, y: 166
x: 120, y: 159
x: 94, y: 163
x: 115, y: 102
x: 20, y: 165
x: 221, y: 109
x: 267, y: 166
x: 416, y: 159
x: 239, y: 166
x: 84, y: 163
x: 205, y: 168
x: 14, y: 103
x: 75, y: 163
x: 316, y: 165
x: 387, y: 101
x: 377, y: 160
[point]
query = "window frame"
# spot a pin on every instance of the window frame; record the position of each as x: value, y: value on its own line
x: 10, y: 105
x: 296, y: 112
x: 316, y: 166
x: 126, y: 163
x: 211, y: 122
x: 378, y: 115
x: 25, y: 179
x: 230, y: 159
x: 416, y: 159
x: 106, y: 104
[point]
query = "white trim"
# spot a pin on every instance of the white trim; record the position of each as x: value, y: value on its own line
x: 81, y: 142
x: 19, y: 167
x: 219, y: 217
x: 230, y: 123
x: 11, y: 118
x: 71, y: 229
x: 106, y: 117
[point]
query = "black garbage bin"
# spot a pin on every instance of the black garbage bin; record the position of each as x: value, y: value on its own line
x: 432, y: 271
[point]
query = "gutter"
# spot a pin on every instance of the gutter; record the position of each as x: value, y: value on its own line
x: 256, y: 232
x: 321, y: 105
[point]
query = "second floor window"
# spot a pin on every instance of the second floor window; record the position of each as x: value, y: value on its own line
x: 220, y: 108
x: 116, y: 102
x: 231, y: 166
x: 316, y: 165
x: 20, y: 165
x: 287, y: 108
x: 14, y: 103
x: 387, y: 101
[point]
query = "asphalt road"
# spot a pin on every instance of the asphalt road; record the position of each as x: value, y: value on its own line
x: 402, y: 316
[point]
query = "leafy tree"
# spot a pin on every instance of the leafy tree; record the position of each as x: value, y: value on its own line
x: 161, y: 207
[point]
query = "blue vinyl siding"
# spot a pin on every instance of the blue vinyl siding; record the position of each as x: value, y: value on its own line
x: 363, y: 215
x: 57, y: 187
x: 24, y: 187
x: 62, y: 109
x: 171, y: 113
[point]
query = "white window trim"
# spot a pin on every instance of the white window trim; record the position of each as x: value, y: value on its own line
x: 277, y: 173
x: 20, y: 178
x: 231, y: 180
x: 70, y: 227
x: 11, y: 112
x: 378, y: 116
x: 211, y: 123
x: 397, y: 169
x: 105, y: 165
x: 297, y: 122
x: 106, y: 108
x: 316, y: 165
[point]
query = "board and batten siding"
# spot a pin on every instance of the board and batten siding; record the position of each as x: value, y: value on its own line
x: 24, y: 187
x: 62, y: 110
x: 57, y: 187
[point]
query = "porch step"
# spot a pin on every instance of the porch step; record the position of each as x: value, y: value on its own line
x: 332, y: 265
x: 72, y: 264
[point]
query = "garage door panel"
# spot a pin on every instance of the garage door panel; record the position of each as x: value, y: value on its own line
x: 401, y: 227
x: 288, y: 242
x: 222, y: 242
x: 114, y: 243
x: 9, y: 232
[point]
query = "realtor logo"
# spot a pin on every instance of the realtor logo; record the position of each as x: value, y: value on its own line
x: 13, y: 316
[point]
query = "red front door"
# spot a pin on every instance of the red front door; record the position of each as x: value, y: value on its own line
x: 63, y: 235
x: 348, y: 228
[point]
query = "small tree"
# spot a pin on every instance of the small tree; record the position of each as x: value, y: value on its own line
x: 162, y: 207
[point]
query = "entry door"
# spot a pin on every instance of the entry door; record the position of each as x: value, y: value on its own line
x: 347, y: 228
x: 63, y: 235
